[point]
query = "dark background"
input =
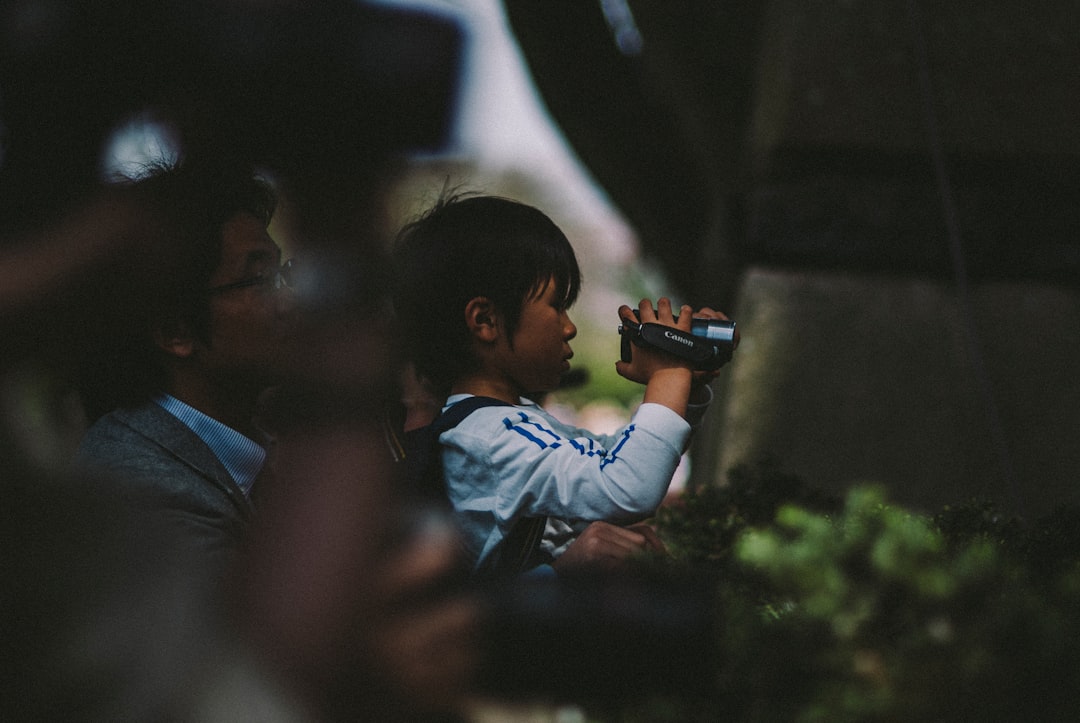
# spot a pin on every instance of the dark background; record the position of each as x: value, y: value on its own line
x: 884, y: 193
x: 791, y: 133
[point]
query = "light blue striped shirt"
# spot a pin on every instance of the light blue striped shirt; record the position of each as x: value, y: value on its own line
x: 242, y: 457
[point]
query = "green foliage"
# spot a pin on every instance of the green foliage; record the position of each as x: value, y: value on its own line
x: 703, y: 526
x: 860, y: 610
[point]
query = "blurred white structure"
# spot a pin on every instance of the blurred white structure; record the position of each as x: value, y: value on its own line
x: 503, y: 128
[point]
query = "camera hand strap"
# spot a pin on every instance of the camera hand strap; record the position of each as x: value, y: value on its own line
x: 665, y: 338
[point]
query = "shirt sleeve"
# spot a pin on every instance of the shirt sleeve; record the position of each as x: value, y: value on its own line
x: 520, y: 461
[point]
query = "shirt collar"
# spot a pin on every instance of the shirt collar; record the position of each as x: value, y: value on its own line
x: 242, y: 457
x: 455, y: 398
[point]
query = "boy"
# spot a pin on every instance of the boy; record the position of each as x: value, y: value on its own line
x: 483, y: 289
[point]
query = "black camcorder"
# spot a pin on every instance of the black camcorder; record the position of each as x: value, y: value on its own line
x: 709, y: 345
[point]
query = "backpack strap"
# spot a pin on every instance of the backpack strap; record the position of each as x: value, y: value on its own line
x: 459, y: 410
x: 421, y: 452
x: 520, y: 549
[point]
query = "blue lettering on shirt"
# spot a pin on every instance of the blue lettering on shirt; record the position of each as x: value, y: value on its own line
x: 615, y: 452
x: 586, y: 447
x: 529, y: 435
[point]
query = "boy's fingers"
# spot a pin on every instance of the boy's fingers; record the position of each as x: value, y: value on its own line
x: 686, y: 317
x: 629, y: 539
x: 708, y: 313
x: 663, y: 311
x: 623, y: 539
x: 645, y: 309
x: 606, y: 539
x: 649, y: 537
x: 636, y: 371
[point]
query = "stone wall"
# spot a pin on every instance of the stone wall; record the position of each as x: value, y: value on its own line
x: 844, y: 378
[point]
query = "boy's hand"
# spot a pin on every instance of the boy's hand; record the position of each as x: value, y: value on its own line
x: 667, y: 378
x: 606, y: 546
x: 647, y: 361
x: 702, y: 378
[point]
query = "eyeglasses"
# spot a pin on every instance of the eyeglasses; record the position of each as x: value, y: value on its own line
x: 279, y: 278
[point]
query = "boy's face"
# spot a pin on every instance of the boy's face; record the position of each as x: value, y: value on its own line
x: 540, y: 353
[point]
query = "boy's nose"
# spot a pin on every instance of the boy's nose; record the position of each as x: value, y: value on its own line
x: 570, y: 329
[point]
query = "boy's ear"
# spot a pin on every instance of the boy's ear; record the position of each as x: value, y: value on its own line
x: 482, y: 319
x: 175, y: 339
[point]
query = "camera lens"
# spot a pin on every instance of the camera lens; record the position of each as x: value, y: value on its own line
x: 717, y: 331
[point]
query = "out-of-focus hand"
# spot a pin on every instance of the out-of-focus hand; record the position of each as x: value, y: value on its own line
x: 426, y: 637
x: 352, y: 600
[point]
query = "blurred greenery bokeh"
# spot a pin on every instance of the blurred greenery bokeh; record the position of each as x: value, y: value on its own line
x: 856, y: 609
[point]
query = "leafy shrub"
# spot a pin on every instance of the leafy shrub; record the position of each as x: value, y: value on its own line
x: 860, y: 610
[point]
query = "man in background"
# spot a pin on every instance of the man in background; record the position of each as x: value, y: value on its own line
x: 183, y: 442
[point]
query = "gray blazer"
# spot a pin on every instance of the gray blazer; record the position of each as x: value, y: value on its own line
x: 166, y: 471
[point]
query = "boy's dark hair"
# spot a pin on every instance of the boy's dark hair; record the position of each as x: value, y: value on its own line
x: 191, y: 204
x: 463, y: 248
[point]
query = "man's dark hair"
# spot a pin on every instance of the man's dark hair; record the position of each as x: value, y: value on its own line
x: 192, y: 204
x: 195, y: 203
x: 467, y: 247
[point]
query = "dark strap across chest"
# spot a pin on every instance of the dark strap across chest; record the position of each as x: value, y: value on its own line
x: 520, y: 549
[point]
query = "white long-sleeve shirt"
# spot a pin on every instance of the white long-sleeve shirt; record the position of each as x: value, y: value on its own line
x: 504, y: 463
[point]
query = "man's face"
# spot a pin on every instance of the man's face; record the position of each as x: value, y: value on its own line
x: 250, y: 325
